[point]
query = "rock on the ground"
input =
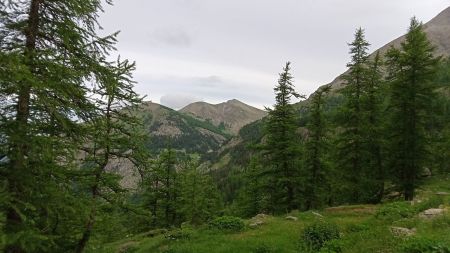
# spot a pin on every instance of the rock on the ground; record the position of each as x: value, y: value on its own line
x: 432, y: 213
x: 400, y: 231
x: 291, y: 218
x: 258, y: 220
x: 393, y: 195
x: 317, y: 214
x: 260, y: 216
x: 256, y: 223
x: 426, y: 172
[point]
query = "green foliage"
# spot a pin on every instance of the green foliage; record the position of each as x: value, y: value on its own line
x: 175, y: 190
x: 178, y: 234
x: 411, y: 69
x: 431, y: 202
x: 252, y: 197
x: 263, y: 248
x: 395, y: 211
x: 316, y: 235
x: 281, y: 150
x: 191, y: 140
x: 199, y: 197
x: 358, y: 140
x: 227, y: 223
x: 333, y: 246
x: 58, y: 96
x: 422, y: 245
x: 315, y: 169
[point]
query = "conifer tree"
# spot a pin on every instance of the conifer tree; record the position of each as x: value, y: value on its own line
x: 199, y: 197
x: 50, y: 56
x: 281, y: 148
x: 315, y: 167
x: 251, y: 199
x: 412, y: 68
x: 162, y: 189
x: 115, y: 134
x: 350, y: 139
x: 372, y: 126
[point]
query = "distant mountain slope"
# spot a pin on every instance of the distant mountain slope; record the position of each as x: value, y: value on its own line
x: 438, y: 32
x: 169, y: 128
x: 231, y: 115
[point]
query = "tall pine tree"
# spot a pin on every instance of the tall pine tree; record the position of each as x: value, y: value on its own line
x: 315, y: 167
x: 282, y: 146
x: 51, y: 58
x: 114, y: 134
x: 372, y: 125
x: 350, y: 155
x: 412, y: 68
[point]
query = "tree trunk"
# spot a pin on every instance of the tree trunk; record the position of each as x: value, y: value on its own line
x: 19, y: 144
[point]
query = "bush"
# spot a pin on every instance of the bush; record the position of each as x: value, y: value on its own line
x: 432, y: 202
x: 395, y: 211
x: 178, y: 234
x: 227, y: 223
x: 333, y: 246
x: 423, y: 245
x: 317, y: 234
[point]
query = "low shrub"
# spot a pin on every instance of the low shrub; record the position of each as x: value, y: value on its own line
x: 333, y: 246
x: 395, y: 211
x: 422, y: 245
x: 178, y: 234
x: 317, y: 234
x: 432, y: 202
x: 227, y: 223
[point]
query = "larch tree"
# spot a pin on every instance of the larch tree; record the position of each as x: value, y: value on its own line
x: 282, y: 146
x: 115, y: 136
x: 350, y: 138
x: 372, y: 131
x: 315, y: 167
x: 51, y: 60
x: 199, y: 197
x: 411, y: 69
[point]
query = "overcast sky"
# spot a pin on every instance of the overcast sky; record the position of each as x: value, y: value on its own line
x: 216, y: 50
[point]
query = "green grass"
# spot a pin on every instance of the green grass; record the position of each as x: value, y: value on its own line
x: 362, y: 230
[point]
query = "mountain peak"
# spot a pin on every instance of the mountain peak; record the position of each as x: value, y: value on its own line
x: 233, y: 114
x: 234, y: 101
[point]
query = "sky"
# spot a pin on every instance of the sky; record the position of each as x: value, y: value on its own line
x: 216, y: 50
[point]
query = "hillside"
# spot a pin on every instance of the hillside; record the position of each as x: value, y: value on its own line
x: 180, y: 131
x: 231, y: 115
x: 421, y: 226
